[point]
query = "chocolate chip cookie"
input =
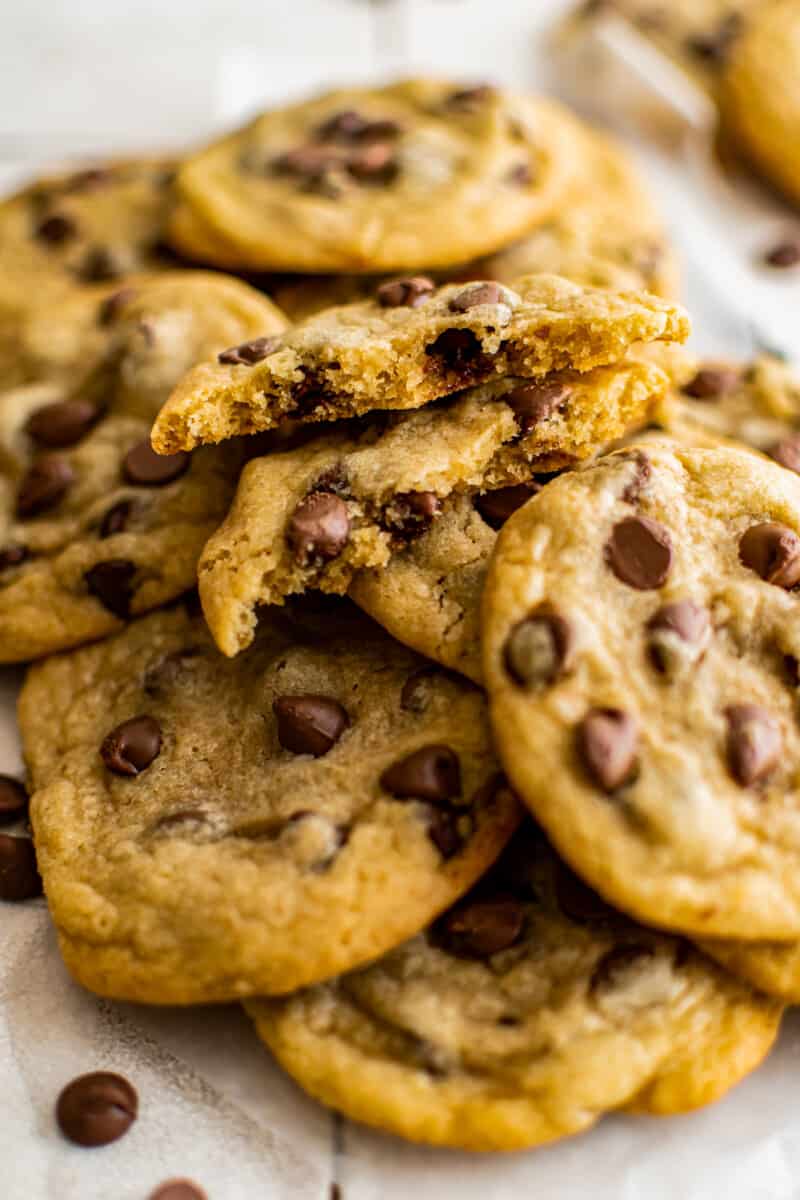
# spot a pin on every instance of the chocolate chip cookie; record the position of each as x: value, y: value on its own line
x: 312, y: 516
x: 421, y: 173
x: 94, y: 526
x: 209, y: 829
x: 521, y: 1016
x: 640, y: 642
x: 411, y: 344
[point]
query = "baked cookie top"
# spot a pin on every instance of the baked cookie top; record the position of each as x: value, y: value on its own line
x: 94, y: 526
x: 640, y: 642
x: 411, y: 344
x: 312, y: 516
x: 519, y: 1017
x: 421, y: 173
x: 318, y: 800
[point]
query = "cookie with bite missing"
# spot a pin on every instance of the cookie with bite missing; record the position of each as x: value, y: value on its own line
x: 209, y: 829
x: 519, y: 1017
x: 641, y: 640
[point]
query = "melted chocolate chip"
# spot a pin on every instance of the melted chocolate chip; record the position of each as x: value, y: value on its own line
x: 411, y: 513
x: 639, y: 552
x: 773, y: 552
x: 684, y: 621
x: 709, y: 383
x: 319, y: 528
x: 608, y: 744
x: 444, y: 832
x: 19, y: 875
x: 405, y: 293
x: 13, y: 800
x: 482, y: 927
x: 754, y: 743
x: 131, y: 747
x: 458, y: 349
x: 533, y: 403
x: 116, y: 519
x: 496, y: 507
x: 784, y: 254
x: 63, y: 423
x: 142, y: 466
x: 473, y: 297
x: 56, y: 229
x: 45, y: 483
x: 538, y: 649
x: 787, y: 452
x: 178, y: 1189
x: 431, y: 773
x: 12, y: 555
x: 112, y: 583
x: 114, y: 305
x: 96, y: 1109
x: 249, y: 353
x: 309, y: 724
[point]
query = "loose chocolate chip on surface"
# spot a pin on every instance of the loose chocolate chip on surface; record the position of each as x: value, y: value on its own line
x: 535, y: 402
x: 608, y: 742
x: 472, y: 297
x: 430, y: 773
x: 538, y: 649
x: 19, y: 875
x: 112, y: 583
x: 611, y: 969
x: 412, y: 513
x: 45, y: 483
x: 444, y: 832
x: 178, y: 1189
x: 249, y: 353
x: 13, y: 800
x: 116, y: 519
x: 56, y: 229
x: 309, y: 724
x: 132, y: 746
x: 683, y: 620
x: 405, y: 293
x: 639, y: 552
x: 754, y: 742
x: 785, y: 254
x: 12, y: 555
x: 773, y: 552
x: 63, y: 423
x: 481, y: 928
x: 144, y: 467
x: 709, y: 383
x: 458, y: 348
x: 787, y: 453
x: 497, y: 506
x: 319, y: 528
x: 96, y: 1109
x: 114, y: 305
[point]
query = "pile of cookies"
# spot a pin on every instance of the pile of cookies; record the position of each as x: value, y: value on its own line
x: 420, y: 670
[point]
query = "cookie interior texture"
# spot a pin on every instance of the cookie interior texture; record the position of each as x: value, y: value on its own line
x: 521, y: 1016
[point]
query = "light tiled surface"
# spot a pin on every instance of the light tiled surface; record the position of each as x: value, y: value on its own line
x: 102, y: 75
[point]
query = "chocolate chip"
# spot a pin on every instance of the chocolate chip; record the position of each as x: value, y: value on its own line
x: 249, y: 353
x: 444, y: 832
x: 350, y: 126
x: 610, y: 971
x: 96, y: 1109
x: 178, y: 1189
x: 56, y: 229
x: 639, y: 552
x: 457, y: 347
x: 608, y: 743
x: 309, y: 724
x: 533, y: 403
x: 319, y: 528
x: 142, y: 466
x: 44, y: 484
x: 678, y: 633
x: 471, y: 97
x: 114, y: 305
x: 773, y: 552
x: 112, y: 583
x: 19, y: 875
x: 306, y: 162
x: 430, y: 773
x: 578, y: 901
x: 787, y: 452
x: 785, y: 254
x: 116, y: 519
x: 472, y: 297
x: 13, y: 800
x: 375, y: 163
x: 709, y: 383
x: 12, y: 555
x: 411, y: 513
x: 101, y: 264
x: 405, y: 293
x: 481, y: 928
x: 63, y: 423
x: 538, y: 649
x: 754, y: 743
x: 496, y: 507
x: 132, y: 746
